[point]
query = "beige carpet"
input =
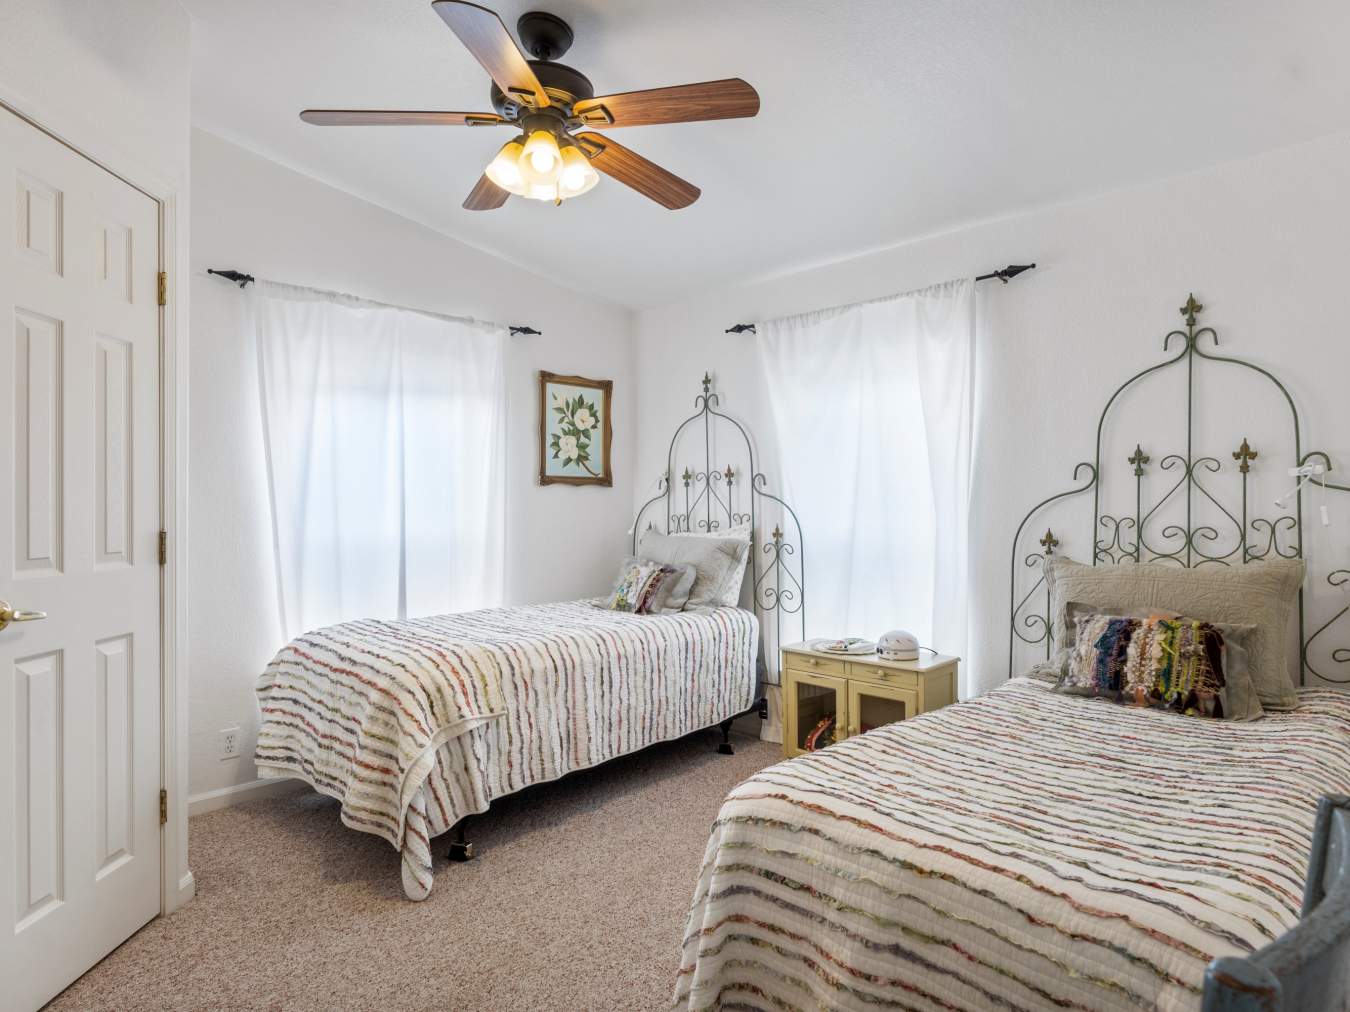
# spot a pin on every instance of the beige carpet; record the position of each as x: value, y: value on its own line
x: 576, y: 900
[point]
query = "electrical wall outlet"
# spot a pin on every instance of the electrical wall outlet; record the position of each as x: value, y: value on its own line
x: 228, y: 743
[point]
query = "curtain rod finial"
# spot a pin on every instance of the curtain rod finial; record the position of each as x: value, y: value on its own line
x: 239, y: 277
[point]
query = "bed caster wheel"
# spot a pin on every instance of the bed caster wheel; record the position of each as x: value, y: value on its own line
x: 725, y: 748
x: 461, y: 851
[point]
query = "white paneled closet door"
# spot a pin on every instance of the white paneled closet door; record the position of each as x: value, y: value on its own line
x: 79, y: 523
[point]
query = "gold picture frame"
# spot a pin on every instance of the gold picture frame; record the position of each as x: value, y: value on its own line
x: 576, y: 427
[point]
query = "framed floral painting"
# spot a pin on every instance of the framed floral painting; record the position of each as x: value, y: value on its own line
x: 575, y: 430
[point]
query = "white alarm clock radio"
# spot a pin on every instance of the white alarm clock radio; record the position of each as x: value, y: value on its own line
x: 898, y: 645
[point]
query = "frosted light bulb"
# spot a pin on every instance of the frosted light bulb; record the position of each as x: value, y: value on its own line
x: 577, y: 175
x: 504, y: 169
x: 542, y: 162
x: 542, y: 191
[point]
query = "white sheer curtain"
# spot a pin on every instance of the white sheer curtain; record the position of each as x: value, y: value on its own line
x: 384, y: 433
x: 873, y: 409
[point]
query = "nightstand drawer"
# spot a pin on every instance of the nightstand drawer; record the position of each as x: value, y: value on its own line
x: 883, y: 675
x: 811, y: 663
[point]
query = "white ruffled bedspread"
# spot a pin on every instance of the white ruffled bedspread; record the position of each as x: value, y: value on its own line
x: 1024, y: 850
x: 415, y: 724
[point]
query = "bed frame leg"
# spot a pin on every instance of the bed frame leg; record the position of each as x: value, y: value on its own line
x: 461, y: 849
x: 760, y: 706
x: 725, y: 747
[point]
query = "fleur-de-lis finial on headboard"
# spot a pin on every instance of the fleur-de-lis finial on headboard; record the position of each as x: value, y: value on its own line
x: 1244, y: 456
x: 1049, y: 541
x: 777, y: 533
x: 688, y: 476
x: 1139, y: 459
x: 1190, y: 309
x: 731, y: 475
x: 707, y: 384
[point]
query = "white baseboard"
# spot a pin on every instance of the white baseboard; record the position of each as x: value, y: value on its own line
x: 224, y: 797
x: 187, y: 888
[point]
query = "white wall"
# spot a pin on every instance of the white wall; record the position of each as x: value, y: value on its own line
x: 103, y: 74
x: 255, y: 215
x: 1261, y: 242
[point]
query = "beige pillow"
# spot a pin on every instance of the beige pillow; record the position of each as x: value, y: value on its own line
x: 1260, y: 594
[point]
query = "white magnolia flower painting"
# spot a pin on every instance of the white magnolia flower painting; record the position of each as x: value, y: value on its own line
x: 574, y: 430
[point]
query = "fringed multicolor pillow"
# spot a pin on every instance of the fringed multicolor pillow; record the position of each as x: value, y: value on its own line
x: 1161, y: 662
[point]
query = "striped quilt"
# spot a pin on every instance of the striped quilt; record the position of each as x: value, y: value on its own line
x: 1024, y: 850
x: 414, y: 724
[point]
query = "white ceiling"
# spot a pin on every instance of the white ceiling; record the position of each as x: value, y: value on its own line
x: 881, y: 120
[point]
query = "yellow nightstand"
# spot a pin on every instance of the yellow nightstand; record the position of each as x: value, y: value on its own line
x: 859, y: 692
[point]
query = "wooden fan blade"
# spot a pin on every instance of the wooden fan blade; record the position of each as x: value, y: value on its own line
x: 631, y: 169
x: 382, y: 117
x: 485, y: 196
x: 684, y: 103
x: 484, y: 35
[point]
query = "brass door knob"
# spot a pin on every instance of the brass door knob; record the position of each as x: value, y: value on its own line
x: 8, y: 615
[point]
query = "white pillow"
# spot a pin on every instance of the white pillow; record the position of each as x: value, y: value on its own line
x: 718, y: 561
x: 744, y: 533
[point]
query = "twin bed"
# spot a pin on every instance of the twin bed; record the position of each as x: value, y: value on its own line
x: 1026, y: 849
x: 415, y: 725
x: 1032, y: 849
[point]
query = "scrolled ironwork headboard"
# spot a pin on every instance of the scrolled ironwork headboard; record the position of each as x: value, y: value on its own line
x: 1188, y: 520
x: 719, y: 487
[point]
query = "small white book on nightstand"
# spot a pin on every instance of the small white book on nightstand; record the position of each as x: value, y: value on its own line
x: 828, y: 696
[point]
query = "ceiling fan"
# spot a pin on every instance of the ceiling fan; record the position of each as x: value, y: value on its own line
x: 555, y: 156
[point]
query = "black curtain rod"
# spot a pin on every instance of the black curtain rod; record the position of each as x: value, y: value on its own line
x: 242, y: 280
x: 1011, y: 271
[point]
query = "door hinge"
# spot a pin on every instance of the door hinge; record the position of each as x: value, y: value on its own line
x: 163, y: 288
x: 163, y: 806
x: 163, y: 548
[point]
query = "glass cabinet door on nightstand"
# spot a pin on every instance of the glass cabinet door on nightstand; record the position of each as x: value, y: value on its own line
x: 871, y: 706
x: 816, y: 710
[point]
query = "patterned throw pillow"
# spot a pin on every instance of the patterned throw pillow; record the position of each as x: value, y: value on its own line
x: 1161, y: 662
x: 631, y: 586
x: 645, y: 587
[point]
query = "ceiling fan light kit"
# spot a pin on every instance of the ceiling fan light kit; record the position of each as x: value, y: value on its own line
x: 548, y: 102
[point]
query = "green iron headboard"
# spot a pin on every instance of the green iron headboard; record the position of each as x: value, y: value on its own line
x: 1191, y: 522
